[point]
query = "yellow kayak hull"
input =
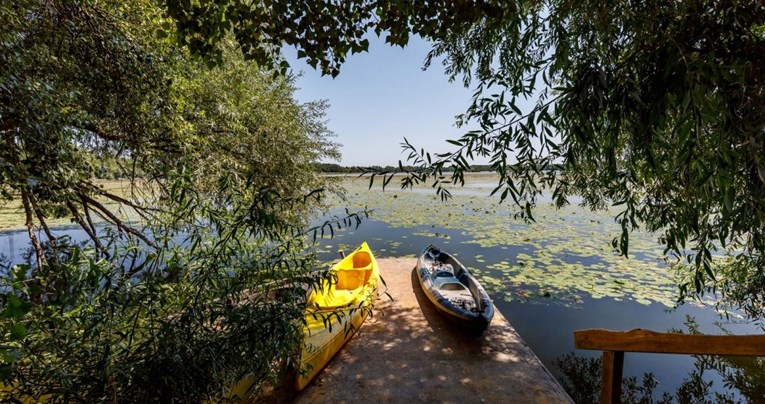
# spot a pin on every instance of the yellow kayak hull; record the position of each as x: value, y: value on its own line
x: 337, y: 310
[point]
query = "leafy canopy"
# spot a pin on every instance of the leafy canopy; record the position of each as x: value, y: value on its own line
x: 652, y: 107
x: 192, y: 277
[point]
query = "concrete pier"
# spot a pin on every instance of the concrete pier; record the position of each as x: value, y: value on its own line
x: 408, y: 352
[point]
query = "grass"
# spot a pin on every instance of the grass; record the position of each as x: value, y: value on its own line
x: 12, y: 216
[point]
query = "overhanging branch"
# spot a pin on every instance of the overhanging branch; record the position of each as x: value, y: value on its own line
x: 88, y: 227
x: 30, y: 224
x: 110, y: 217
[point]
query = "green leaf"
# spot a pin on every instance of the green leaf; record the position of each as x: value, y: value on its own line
x: 16, y: 307
x: 6, y: 373
x: 18, y: 331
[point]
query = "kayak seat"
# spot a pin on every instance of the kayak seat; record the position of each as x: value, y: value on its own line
x: 362, y: 260
x: 350, y: 284
x: 355, y: 275
x: 452, y: 286
x: 351, y: 279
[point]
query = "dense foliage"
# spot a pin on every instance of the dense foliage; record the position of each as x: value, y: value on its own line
x: 651, y: 106
x: 193, y: 275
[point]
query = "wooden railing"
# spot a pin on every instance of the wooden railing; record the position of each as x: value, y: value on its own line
x: 615, y: 343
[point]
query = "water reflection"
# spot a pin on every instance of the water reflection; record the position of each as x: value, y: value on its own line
x: 15, y: 246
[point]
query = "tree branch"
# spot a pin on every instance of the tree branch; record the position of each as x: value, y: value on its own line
x: 90, y: 230
x: 84, y: 187
x: 6, y: 126
x: 87, y: 216
x: 109, y: 216
x: 140, y: 210
x: 101, y: 133
x: 31, y: 227
x: 41, y: 218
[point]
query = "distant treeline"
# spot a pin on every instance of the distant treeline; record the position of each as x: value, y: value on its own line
x: 336, y: 168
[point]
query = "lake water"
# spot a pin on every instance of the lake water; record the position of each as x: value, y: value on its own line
x: 548, y: 278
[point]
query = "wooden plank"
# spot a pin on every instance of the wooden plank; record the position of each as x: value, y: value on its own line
x: 611, y: 378
x: 649, y: 341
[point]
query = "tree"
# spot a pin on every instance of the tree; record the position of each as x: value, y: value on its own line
x: 651, y: 106
x: 52, y: 106
x: 656, y: 109
x: 193, y: 275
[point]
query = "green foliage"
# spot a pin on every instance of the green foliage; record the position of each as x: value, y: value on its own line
x: 651, y: 109
x: 195, y: 277
x: 324, y: 32
x: 655, y: 108
x: 57, y: 118
x: 165, y: 335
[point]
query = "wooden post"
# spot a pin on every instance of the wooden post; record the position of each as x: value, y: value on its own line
x: 615, y: 343
x: 611, y: 381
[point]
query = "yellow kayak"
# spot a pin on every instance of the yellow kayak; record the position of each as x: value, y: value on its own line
x: 336, y: 310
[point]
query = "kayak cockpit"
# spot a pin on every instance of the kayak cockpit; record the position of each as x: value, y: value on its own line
x: 351, y: 277
x: 454, y: 290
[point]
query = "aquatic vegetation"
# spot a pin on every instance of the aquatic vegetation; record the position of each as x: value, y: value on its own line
x: 564, y: 255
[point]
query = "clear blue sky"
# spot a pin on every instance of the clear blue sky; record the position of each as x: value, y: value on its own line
x: 382, y: 96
